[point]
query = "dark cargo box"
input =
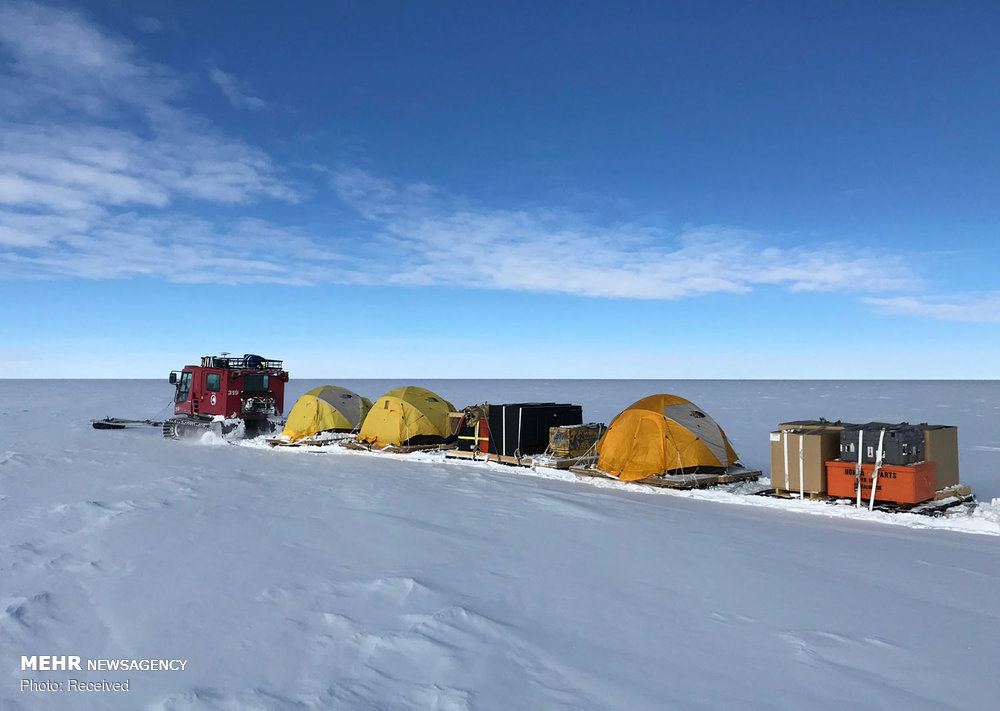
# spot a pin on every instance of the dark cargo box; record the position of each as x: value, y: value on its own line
x: 473, y: 435
x: 569, y: 441
x: 522, y: 428
x: 473, y: 431
x: 903, y: 443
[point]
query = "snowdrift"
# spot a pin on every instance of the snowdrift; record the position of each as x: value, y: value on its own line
x: 297, y: 579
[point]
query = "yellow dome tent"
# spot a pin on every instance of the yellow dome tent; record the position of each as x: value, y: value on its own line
x: 409, y: 416
x: 325, y: 409
x: 662, y: 434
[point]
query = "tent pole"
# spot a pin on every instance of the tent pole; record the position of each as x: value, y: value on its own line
x: 878, y: 465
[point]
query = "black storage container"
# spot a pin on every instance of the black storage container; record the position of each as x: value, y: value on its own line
x: 470, y: 435
x: 522, y: 428
x: 474, y: 431
x: 903, y: 444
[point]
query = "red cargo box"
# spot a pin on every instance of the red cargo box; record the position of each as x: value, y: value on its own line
x: 910, y: 484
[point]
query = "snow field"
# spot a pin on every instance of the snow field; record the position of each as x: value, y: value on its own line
x: 295, y: 579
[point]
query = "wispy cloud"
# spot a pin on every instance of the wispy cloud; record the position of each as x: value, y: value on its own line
x: 93, y: 130
x: 972, y: 308
x: 437, y: 239
x: 97, y: 147
x: 179, y: 249
x: 150, y: 24
x: 239, y: 93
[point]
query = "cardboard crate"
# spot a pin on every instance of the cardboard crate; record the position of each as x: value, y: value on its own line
x: 818, y: 445
x: 941, y: 447
x: 912, y: 484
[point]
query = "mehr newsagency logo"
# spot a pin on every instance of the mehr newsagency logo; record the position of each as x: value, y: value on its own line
x: 75, y: 663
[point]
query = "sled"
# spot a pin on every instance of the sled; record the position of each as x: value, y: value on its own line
x: 393, y: 449
x: 117, y: 423
x: 679, y: 481
x: 307, y: 442
x: 944, y: 499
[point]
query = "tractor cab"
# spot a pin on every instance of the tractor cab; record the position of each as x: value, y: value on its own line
x: 248, y: 388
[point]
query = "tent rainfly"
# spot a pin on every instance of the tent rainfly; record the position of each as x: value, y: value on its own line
x: 407, y: 416
x: 663, y: 434
x: 325, y: 409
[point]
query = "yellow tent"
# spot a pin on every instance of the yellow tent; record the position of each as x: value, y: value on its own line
x: 662, y: 434
x: 408, y: 416
x: 325, y: 409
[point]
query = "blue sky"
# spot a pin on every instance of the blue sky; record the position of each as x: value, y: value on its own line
x: 375, y: 189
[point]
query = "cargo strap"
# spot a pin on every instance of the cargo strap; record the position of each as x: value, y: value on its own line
x: 802, y: 484
x: 802, y: 473
x: 857, y: 467
x: 517, y: 450
x: 878, y: 465
x: 784, y: 437
x: 502, y: 449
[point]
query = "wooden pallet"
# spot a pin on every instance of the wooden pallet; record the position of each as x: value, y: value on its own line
x: 734, y: 474
x: 483, y: 457
x: 677, y: 481
x: 526, y: 461
x: 938, y: 507
x: 681, y: 481
x: 807, y: 496
x: 551, y: 462
x: 702, y: 481
x: 394, y: 449
x: 592, y: 472
x: 959, y: 491
x: 278, y: 442
x: 933, y: 507
x: 943, y: 500
x: 475, y: 456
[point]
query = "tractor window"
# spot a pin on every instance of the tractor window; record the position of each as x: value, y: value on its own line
x: 184, y: 386
x: 255, y: 383
x: 213, y: 382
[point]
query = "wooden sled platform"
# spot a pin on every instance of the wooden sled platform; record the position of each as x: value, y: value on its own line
x: 943, y: 500
x: 790, y: 494
x: 360, y: 447
x: 957, y: 491
x: 562, y: 462
x: 679, y: 481
x: 484, y: 457
x: 278, y: 442
x: 530, y: 460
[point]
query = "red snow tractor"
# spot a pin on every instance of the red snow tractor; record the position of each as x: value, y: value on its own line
x: 224, y: 392
x: 222, y: 395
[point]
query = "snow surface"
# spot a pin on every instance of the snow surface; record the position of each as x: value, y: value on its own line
x: 331, y: 579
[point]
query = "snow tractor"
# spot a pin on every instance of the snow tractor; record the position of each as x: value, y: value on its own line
x: 230, y: 396
x: 223, y: 393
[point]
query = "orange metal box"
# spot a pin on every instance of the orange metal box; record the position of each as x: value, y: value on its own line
x: 900, y: 484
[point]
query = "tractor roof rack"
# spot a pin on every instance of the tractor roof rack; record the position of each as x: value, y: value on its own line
x: 248, y: 361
